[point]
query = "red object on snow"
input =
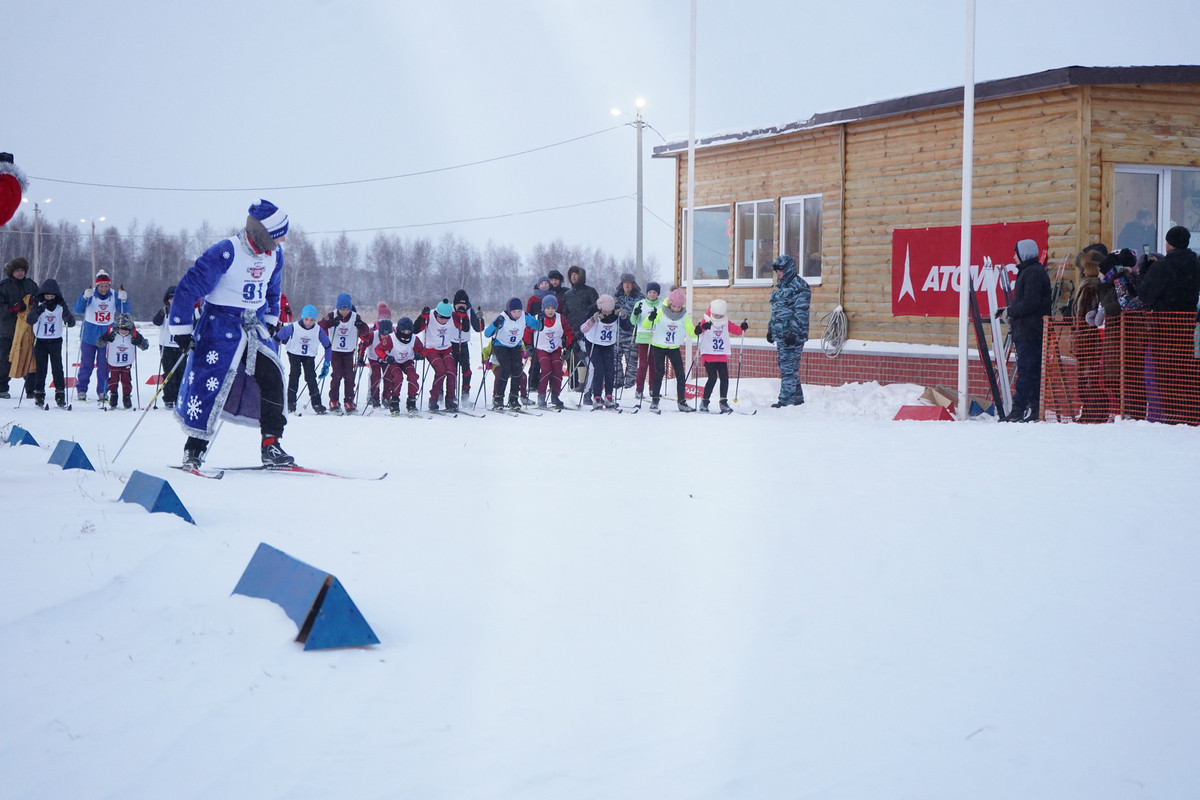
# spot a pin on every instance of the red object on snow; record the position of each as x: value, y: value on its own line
x: 924, y: 413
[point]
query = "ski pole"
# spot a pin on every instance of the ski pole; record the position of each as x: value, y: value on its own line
x: 738, y: 382
x: 137, y: 382
x: 421, y: 391
x: 178, y: 362
x: 483, y: 368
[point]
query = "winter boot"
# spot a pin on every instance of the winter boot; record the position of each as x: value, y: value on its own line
x: 683, y: 406
x: 513, y: 403
x: 525, y: 401
x: 112, y: 399
x: 542, y: 400
x: 587, y: 400
x: 127, y: 401
x: 291, y: 406
x: 318, y: 408
x: 640, y: 396
x: 451, y: 405
x: 81, y: 396
x: 557, y: 403
x: 725, y: 409
x: 497, y: 403
x: 39, y: 399
x: 273, y: 455
x: 410, y: 405
x: 193, y: 452
x: 333, y: 406
x: 5, y: 395
x: 704, y: 405
x: 394, y: 406
x: 349, y: 407
x: 60, y: 399
x: 609, y: 402
x: 434, y: 406
x: 654, y: 403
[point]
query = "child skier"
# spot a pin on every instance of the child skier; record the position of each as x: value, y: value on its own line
x: 98, y: 308
x: 169, y: 352
x: 439, y: 334
x: 366, y: 353
x: 601, y: 330
x: 642, y: 309
x: 507, y: 332
x: 548, y: 343
x: 300, y: 340
x: 716, y: 334
x: 48, y: 317
x: 668, y: 328
x: 345, y: 330
x: 466, y: 321
x: 398, y: 350
x: 118, y: 342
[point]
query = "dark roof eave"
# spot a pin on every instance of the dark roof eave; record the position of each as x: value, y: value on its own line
x: 1003, y: 87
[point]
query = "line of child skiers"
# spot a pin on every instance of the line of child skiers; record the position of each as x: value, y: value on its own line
x: 621, y: 342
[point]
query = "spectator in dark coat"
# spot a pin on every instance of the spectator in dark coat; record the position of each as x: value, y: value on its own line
x: 1173, y: 285
x: 791, y: 301
x: 15, y: 287
x: 556, y: 285
x: 627, y: 295
x: 1031, y: 302
x: 578, y: 304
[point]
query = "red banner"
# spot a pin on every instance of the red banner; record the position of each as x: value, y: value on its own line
x: 925, y: 264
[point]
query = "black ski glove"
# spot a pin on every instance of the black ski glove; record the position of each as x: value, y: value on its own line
x: 653, y: 314
x: 745, y: 325
x: 770, y: 337
x: 184, y: 341
x: 390, y: 360
x: 704, y: 326
x: 497, y: 322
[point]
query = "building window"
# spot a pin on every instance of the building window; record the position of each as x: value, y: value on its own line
x: 755, y: 236
x: 801, y: 234
x: 1149, y: 201
x: 714, y: 245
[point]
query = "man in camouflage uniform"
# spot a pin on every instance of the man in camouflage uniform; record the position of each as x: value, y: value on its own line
x: 788, y: 328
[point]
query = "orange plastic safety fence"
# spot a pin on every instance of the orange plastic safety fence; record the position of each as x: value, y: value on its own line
x: 1140, y: 365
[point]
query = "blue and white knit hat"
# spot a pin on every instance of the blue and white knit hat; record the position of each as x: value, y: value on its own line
x: 274, y: 220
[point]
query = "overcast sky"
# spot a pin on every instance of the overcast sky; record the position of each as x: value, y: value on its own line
x: 252, y: 96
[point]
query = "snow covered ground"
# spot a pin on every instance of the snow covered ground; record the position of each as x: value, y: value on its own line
x: 816, y: 602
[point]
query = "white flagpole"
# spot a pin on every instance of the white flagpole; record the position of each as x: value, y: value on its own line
x: 968, y: 150
x: 689, y: 232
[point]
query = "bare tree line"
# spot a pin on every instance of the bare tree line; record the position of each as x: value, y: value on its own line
x: 406, y: 273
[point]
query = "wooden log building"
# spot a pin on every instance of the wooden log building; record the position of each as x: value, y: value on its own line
x: 866, y: 198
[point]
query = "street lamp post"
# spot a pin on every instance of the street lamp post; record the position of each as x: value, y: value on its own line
x: 37, y: 236
x: 93, y: 242
x: 638, y: 124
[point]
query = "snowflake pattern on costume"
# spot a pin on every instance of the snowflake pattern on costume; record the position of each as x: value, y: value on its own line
x: 193, y: 408
x: 226, y: 255
x: 212, y: 385
x: 212, y: 357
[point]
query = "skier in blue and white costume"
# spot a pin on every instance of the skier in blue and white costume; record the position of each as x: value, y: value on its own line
x: 239, y: 281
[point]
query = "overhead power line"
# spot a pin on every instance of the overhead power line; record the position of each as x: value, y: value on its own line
x: 335, y: 183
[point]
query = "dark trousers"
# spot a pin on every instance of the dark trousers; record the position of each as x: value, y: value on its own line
x: 550, y: 372
x: 169, y: 357
x: 462, y: 357
x: 1029, y: 376
x: 716, y: 370
x: 307, y: 365
x: 120, y: 376
x: 645, y: 364
x: 603, y: 370
x: 49, y: 352
x: 342, y: 366
x: 661, y: 355
x: 509, y: 361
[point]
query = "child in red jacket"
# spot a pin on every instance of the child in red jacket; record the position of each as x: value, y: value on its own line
x: 716, y: 334
x: 398, y: 351
x: 120, y: 340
